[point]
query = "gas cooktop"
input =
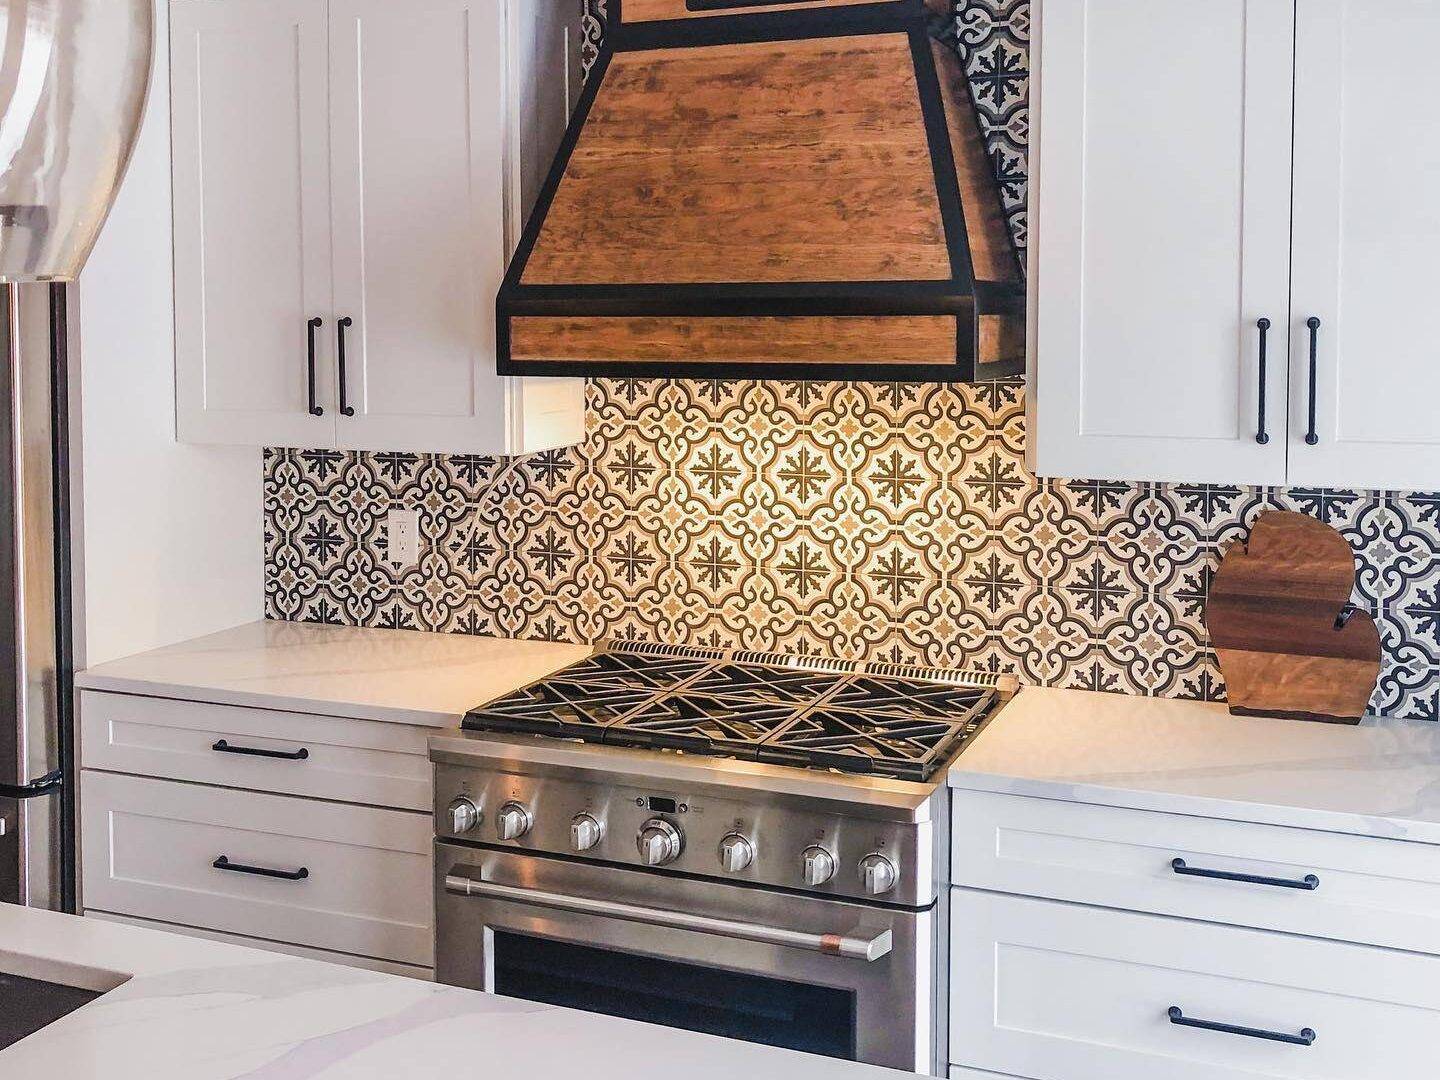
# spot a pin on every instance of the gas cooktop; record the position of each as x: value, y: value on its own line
x: 878, y: 719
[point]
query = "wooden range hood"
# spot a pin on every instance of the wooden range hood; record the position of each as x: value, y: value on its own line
x: 759, y: 189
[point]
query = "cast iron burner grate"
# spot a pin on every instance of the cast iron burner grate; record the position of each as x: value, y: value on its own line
x: 703, y: 723
x: 852, y: 741
x: 819, y: 715
x: 753, y: 682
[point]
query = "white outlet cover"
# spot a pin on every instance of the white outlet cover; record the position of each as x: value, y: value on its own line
x: 402, y: 532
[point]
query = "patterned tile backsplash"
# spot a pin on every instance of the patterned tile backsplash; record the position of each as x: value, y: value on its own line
x: 890, y: 521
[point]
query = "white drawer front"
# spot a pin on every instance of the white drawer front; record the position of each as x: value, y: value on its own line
x: 362, y: 761
x: 148, y: 848
x: 410, y: 971
x: 1057, y: 991
x: 1379, y: 892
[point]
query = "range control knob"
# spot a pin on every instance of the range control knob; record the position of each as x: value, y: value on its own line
x: 659, y: 842
x: 585, y: 832
x: 818, y: 865
x: 878, y: 874
x: 736, y: 853
x: 512, y: 821
x: 464, y: 815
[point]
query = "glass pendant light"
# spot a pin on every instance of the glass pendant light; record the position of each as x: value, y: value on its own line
x: 73, y: 80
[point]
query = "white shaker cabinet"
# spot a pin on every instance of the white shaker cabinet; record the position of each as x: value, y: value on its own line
x: 1160, y: 217
x: 1367, y: 244
x: 252, y: 219
x: 1163, y: 189
x: 342, y: 224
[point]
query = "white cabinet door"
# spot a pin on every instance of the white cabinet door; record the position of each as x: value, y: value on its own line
x: 1067, y: 992
x: 349, y: 879
x: 252, y: 220
x: 318, y: 757
x: 1367, y: 890
x: 418, y: 117
x: 1160, y: 215
x: 1367, y: 244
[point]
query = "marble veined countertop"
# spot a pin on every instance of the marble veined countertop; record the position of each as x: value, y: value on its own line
x: 1380, y: 779
x: 181, y: 1008
x: 402, y: 676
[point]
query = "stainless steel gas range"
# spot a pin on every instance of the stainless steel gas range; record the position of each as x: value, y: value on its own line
x: 750, y: 845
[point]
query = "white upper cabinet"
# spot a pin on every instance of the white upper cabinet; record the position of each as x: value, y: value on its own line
x: 1161, y: 234
x: 1367, y: 244
x: 1160, y: 227
x: 252, y: 219
x: 418, y: 214
x: 399, y: 234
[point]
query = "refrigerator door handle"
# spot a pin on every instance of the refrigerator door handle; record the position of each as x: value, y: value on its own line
x: 48, y: 784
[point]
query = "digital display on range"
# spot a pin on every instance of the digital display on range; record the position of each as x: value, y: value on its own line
x: 661, y: 805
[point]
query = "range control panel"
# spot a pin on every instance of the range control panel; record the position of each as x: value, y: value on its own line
x: 706, y: 835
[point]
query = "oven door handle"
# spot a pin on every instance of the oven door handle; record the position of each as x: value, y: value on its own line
x: 857, y: 948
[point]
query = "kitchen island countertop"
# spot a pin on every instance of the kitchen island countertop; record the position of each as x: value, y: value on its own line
x: 401, y: 676
x: 182, y: 1008
x: 1380, y: 779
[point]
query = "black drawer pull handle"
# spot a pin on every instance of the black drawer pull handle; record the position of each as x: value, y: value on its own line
x: 254, y: 751
x: 346, y: 409
x: 1305, y: 1038
x: 310, y: 328
x: 48, y: 784
x: 1312, y: 437
x: 1308, y: 883
x: 1261, y: 435
x: 224, y: 863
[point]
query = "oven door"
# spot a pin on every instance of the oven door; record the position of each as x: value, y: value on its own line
x: 824, y: 976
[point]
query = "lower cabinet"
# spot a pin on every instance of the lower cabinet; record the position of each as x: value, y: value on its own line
x: 1059, y: 991
x: 342, y: 878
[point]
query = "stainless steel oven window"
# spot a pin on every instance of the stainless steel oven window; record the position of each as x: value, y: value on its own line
x: 737, y: 1005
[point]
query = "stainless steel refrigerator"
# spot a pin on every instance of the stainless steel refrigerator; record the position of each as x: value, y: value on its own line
x: 73, y: 80
x: 37, y: 855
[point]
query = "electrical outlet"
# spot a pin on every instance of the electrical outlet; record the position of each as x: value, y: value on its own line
x: 402, y: 532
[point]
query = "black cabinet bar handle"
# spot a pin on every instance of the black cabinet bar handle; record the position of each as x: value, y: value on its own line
x: 1308, y: 883
x: 1312, y: 437
x: 48, y: 784
x: 224, y: 747
x: 224, y: 863
x: 1305, y: 1038
x: 346, y: 409
x: 1261, y: 435
x: 310, y: 328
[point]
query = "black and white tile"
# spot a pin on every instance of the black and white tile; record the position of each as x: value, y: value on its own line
x: 882, y: 520
x: 859, y: 520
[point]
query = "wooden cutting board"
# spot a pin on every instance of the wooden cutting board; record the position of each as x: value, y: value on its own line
x: 1288, y: 639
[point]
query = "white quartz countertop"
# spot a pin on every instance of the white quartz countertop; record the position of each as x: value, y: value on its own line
x: 1381, y: 778
x: 188, y: 1009
x: 402, y: 676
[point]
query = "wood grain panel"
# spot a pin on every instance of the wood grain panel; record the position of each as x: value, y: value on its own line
x: 768, y: 161
x: 899, y: 339
x: 1275, y: 618
x: 635, y: 11
x: 1000, y: 338
x: 1325, y: 689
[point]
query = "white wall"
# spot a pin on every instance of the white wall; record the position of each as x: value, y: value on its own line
x: 168, y: 537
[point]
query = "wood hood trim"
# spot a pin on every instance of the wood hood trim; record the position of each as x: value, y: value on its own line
x: 721, y: 207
